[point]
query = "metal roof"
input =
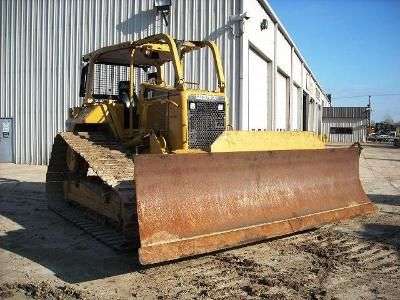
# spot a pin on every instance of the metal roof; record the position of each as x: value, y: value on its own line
x: 346, y: 112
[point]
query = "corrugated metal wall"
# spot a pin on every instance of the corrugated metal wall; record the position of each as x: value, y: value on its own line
x: 359, y: 130
x: 42, y: 41
x: 350, y: 117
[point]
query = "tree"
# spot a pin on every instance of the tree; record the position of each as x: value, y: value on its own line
x: 388, y: 119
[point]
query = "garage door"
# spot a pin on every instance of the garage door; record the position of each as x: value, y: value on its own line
x: 281, y: 102
x: 258, y: 92
x: 295, y: 107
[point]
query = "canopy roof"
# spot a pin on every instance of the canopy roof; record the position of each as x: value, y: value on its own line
x: 145, y: 54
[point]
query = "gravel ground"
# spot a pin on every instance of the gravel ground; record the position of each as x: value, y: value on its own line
x: 44, y: 257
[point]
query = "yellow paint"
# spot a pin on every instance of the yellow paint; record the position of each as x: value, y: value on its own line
x: 110, y: 112
x: 162, y: 110
x: 95, y: 114
x: 176, y: 115
x: 156, y: 47
x: 236, y: 141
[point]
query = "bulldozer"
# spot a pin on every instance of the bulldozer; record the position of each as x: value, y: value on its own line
x: 159, y: 161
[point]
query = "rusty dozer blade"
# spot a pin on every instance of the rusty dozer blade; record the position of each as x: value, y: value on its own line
x: 190, y: 204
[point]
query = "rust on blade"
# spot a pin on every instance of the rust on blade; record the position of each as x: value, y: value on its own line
x: 197, y: 203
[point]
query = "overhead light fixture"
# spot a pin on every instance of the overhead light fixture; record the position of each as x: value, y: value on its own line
x: 164, y: 8
x: 264, y: 24
x: 239, y: 18
x: 239, y: 21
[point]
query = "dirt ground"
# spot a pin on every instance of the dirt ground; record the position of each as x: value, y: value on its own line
x: 42, y: 256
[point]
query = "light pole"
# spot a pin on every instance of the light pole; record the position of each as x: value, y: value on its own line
x: 369, y: 114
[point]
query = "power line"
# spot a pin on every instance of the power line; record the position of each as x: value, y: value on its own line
x: 361, y: 96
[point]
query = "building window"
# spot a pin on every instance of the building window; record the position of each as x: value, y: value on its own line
x: 341, y: 130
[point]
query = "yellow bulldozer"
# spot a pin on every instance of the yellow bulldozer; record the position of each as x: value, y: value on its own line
x: 159, y: 162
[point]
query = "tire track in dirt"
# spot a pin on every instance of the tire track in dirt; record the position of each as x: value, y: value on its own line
x: 312, y: 265
x: 331, y: 253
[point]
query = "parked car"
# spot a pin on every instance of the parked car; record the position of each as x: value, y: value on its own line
x: 396, y: 141
x: 371, y: 137
x: 392, y: 136
x: 382, y: 138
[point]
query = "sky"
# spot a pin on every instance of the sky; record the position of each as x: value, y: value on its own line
x: 352, y: 47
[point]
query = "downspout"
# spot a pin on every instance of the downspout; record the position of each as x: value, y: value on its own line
x: 239, y: 102
x: 274, y: 74
x: 301, y: 108
x: 291, y: 109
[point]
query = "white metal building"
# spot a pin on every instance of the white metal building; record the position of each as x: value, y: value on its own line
x: 345, y: 124
x: 270, y: 86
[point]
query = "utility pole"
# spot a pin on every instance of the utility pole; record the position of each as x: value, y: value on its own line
x: 369, y: 114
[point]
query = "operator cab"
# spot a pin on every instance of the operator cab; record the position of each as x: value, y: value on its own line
x: 130, y: 76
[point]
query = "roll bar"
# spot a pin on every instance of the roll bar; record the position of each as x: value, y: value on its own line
x: 176, y: 59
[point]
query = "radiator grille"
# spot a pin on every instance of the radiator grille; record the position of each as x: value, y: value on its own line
x: 206, y: 121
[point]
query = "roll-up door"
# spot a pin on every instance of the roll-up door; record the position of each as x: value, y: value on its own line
x: 296, y: 107
x: 281, y: 102
x: 258, y: 91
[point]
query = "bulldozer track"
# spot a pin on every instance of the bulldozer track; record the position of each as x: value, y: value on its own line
x: 107, y: 160
x: 76, y: 215
x: 105, y: 157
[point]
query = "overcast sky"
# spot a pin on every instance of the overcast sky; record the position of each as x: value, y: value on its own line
x: 352, y: 46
